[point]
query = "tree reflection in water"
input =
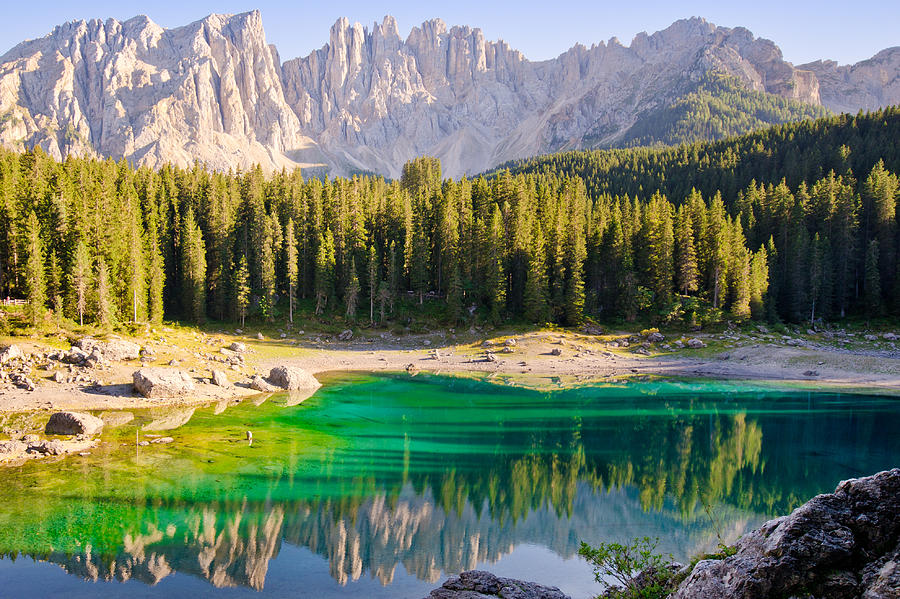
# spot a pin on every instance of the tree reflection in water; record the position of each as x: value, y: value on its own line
x: 438, y: 475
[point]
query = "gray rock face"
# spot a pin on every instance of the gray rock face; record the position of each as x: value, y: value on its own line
x: 844, y: 544
x: 292, y: 379
x: 73, y: 423
x: 216, y: 92
x: 162, y: 382
x: 477, y: 584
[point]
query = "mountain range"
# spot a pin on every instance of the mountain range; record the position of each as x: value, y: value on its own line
x: 216, y: 92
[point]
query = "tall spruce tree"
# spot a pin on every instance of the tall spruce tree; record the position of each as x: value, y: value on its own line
x: 34, y: 270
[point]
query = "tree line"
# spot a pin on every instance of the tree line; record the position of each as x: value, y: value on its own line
x: 552, y: 240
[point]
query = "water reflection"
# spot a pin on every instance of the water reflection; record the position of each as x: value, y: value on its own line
x: 436, y: 476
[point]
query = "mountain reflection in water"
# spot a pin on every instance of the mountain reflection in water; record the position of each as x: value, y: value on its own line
x: 437, y: 475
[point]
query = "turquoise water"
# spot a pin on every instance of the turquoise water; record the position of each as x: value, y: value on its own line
x: 382, y: 485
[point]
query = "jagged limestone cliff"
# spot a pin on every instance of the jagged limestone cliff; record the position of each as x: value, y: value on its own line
x: 214, y: 91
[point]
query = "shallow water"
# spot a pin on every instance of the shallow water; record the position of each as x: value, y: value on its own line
x: 381, y: 485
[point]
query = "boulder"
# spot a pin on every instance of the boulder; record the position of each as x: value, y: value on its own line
x: 656, y: 337
x: 556, y: 351
x: 292, y: 378
x: 346, y: 335
x: 115, y: 350
x: 890, y: 337
x: 119, y: 349
x: 258, y: 383
x: 842, y: 544
x: 695, y: 343
x: 73, y: 423
x: 477, y: 584
x: 162, y: 382
x: 238, y: 347
x: 11, y: 450
x: 10, y: 353
x: 219, y: 378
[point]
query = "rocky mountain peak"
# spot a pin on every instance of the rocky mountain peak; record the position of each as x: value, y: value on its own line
x: 369, y: 100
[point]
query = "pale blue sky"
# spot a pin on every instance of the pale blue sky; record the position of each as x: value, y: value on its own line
x: 805, y: 31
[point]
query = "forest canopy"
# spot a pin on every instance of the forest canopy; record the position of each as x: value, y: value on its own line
x: 795, y: 222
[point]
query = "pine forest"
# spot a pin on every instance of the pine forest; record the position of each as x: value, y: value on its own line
x: 797, y: 222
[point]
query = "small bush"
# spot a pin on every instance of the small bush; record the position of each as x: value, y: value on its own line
x: 641, y: 572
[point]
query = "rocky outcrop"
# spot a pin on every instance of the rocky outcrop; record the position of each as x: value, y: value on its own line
x: 866, y: 85
x: 477, y: 584
x: 214, y: 91
x: 73, y: 423
x: 209, y: 91
x: 162, y: 382
x: 113, y: 350
x: 292, y: 379
x: 840, y: 545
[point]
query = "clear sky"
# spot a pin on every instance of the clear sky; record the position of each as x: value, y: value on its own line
x: 805, y: 30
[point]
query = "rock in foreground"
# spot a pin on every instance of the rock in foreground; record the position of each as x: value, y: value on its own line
x: 477, y: 584
x: 162, y: 382
x: 73, y: 423
x: 840, y: 545
x: 292, y: 379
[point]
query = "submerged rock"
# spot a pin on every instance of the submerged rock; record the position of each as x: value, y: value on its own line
x: 292, y: 378
x: 73, y: 423
x: 842, y: 544
x: 162, y: 382
x: 477, y: 584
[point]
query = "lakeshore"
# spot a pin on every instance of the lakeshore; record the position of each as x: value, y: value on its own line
x: 850, y: 361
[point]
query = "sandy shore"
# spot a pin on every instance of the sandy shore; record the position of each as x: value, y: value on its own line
x: 535, y: 357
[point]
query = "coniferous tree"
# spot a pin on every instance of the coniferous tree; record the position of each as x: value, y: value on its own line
x: 495, y: 277
x: 873, y: 280
x: 325, y: 265
x: 686, y: 272
x: 34, y: 270
x: 242, y: 288
x: 351, y: 297
x: 372, y: 280
x: 80, y: 278
x: 759, y: 283
x: 105, y: 313
x: 292, y: 269
x: 193, y: 264
x: 660, y: 247
x: 535, y: 301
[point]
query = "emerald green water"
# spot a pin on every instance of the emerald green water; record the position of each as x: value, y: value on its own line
x: 381, y: 485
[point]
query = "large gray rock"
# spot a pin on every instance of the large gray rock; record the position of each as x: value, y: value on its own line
x: 162, y: 382
x: 292, y: 378
x: 477, y: 584
x: 113, y: 350
x: 73, y: 423
x: 837, y: 545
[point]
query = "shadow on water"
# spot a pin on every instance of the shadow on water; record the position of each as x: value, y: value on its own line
x: 435, y: 475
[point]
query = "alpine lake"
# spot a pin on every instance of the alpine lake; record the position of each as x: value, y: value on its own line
x: 382, y: 485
